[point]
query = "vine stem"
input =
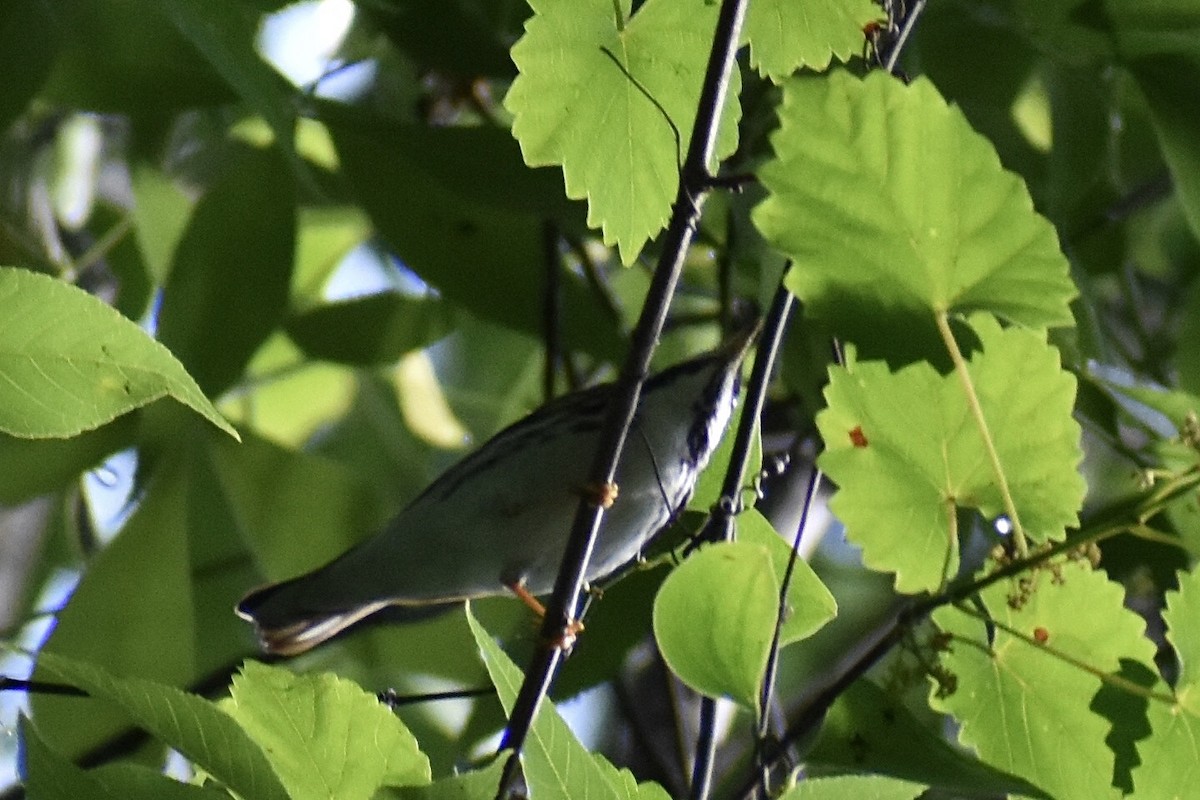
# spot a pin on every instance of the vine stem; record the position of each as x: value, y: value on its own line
x: 694, y: 184
x: 1124, y: 684
x: 964, y: 374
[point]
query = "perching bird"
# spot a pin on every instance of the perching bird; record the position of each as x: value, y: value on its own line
x: 498, y: 520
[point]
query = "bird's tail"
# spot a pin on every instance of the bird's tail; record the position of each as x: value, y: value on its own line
x: 289, y: 623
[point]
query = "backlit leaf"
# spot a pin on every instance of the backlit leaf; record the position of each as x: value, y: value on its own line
x: 867, y: 196
x: 1023, y: 708
x: 69, y: 363
x: 612, y: 100
x: 906, y: 453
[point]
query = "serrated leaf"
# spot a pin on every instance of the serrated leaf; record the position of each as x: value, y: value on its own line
x: 324, y: 735
x: 69, y: 363
x: 785, y: 35
x: 810, y: 603
x: 893, y: 209
x: 613, y: 102
x: 906, y: 453
x: 556, y: 764
x: 49, y: 776
x: 1025, y: 709
x: 1171, y: 755
x: 714, y: 618
x: 190, y: 724
x: 860, y: 787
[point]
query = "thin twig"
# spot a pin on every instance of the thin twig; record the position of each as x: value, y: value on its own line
x: 720, y: 523
x: 568, y: 587
x: 768, y: 688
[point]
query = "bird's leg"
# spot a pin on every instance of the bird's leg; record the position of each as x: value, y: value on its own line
x: 601, y: 495
x: 573, y: 629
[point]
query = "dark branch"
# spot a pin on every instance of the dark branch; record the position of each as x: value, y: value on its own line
x: 685, y: 214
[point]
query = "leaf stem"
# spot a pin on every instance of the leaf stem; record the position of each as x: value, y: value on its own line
x: 964, y: 374
x: 1124, y: 684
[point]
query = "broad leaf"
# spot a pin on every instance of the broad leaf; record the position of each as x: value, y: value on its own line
x: 869, y: 196
x: 229, y: 283
x: 69, y: 363
x: 809, y: 602
x: 473, y: 245
x: 29, y: 38
x: 870, y: 730
x: 612, y: 99
x: 1171, y: 755
x: 714, y: 618
x: 556, y: 764
x: 49, y: 776
x: 861, y: 787
x: 29, y: 467
x: 190, y: 724
x: 478, y: 784
x: 785, y: 35
x: 376, y: 329
x: 906, y: 453
x: 324, y: 735
x: 137, y: 590
x: 1169, y: 84
x: 1023, y: 707
x: 223, y: 31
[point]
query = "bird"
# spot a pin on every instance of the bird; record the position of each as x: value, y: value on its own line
x: 497, y: 521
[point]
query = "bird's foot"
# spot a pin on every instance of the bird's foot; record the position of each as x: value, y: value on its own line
x: 601, y: 495
x: 564, y: 639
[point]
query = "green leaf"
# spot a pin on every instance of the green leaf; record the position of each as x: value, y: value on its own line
x: 894, y: 209
x: 613, y: 100
x: 29, y: 40
x: 161, y: 210
x: 1171, y: 756
x: 29, y: 467
x: 464, y: 241
x: 477, y: 784
x: 810, y: 604
x: 324, y: 735
x: 50, y: 776
x: 190, y: 724
x: 556, y: 764
x: 223, y: 31
x: 69, y: 363
x: 785, y: 36
x: 229, y: 284
x: 1023, y: 707
x: 376, y: 329
x: 714, y: 618
x: 870, y: 730
x: 110, y: 627
x: 1169, y: 83
x: 906, y: 454
x: 127, y: 57
x: 861, y: 787
x: 295, y: 510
